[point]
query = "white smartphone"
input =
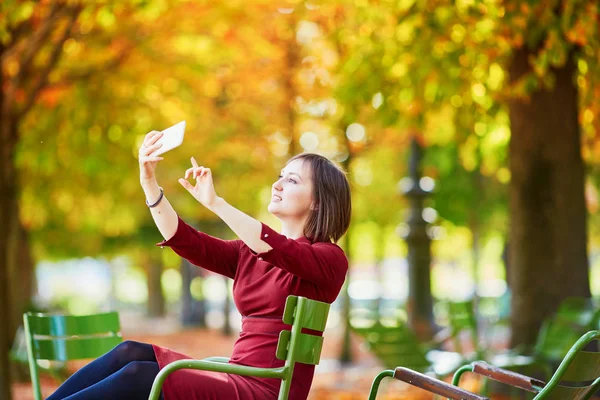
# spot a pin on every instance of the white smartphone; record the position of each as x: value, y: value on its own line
x: 172, y: 137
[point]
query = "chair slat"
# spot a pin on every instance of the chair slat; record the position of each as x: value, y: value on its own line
x: 584, y: 367
x: 74, y: 348
x: 315, y: 313
x: 68, y: 325
x: 308, y: 351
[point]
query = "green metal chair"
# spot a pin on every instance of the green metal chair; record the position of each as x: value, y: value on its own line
x: 397, y: 345
x: 18, y: 355
x: 293, y: 346
x: 574, y: 317
x: 425, y: 382
x: 67, y: 337
x: 577, y: 377
x: 459, y: 317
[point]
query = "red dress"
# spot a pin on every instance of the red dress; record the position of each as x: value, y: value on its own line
x: 261, y: 285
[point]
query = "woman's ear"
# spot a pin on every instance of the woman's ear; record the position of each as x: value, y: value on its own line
x: 314, y: 207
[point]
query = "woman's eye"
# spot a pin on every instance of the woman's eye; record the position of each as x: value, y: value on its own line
x: 280, y: 176
x: 292, y: 180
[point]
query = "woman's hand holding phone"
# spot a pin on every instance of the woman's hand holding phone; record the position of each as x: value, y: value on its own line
x: 146, y: 159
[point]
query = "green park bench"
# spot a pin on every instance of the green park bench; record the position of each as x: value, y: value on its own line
x: 293, y: 347
x: 67, y: 337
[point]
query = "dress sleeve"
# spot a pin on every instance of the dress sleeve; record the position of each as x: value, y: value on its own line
x: 324, y: 264
x: 208, y: 252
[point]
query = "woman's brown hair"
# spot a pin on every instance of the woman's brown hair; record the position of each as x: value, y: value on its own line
x: 330, y: 218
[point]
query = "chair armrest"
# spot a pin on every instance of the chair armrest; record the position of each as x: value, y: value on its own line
x: 280, y: 373
x: 508, y: 377
x: 217, y: 359
x: 433, y: 385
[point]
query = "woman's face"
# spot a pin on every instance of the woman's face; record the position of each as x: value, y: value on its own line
x: 291, y: 194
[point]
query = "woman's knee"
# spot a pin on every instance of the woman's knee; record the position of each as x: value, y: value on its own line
x: 140, y: 370
x: 128, y: 346
x: 131, y: 350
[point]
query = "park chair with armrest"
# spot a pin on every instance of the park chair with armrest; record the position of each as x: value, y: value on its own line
x: 577, y: 377
x: 574, y: 317
x: 67, y: 337
x: 293, y: 347
x: 425, y: 382
x: 18, y: 355
x: 397, y: 345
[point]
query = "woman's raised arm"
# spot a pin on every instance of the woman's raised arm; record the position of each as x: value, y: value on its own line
x: 163, y: 213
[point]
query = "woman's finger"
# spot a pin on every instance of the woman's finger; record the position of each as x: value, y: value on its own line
x: 188, y: 172
x: 186, y: 184
x: 151, y: 149
x: 198, y: 172
x: 194, y: 163
x: 154, y: 139
x: 149, y: 135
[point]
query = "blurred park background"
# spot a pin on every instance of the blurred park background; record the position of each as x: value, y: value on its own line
x: 469, y: 130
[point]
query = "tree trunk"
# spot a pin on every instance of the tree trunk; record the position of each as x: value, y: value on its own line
x: 226, y: 310
x: 8, y: 191
x: 548, y: 235
x: 193, y: 311
x: 346, y: 356
x: 156, y: 298
x: 292, y: 62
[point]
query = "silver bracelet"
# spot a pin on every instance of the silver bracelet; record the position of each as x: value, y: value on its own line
x: 157, y: 201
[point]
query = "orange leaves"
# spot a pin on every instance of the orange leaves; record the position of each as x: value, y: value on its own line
x: 52, y: 95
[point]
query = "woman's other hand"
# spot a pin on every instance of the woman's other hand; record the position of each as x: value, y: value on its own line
x: 146, y: 159
x: 204, y: 190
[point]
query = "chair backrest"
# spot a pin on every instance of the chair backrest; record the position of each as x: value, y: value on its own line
x: 556, y: 337
x: 67, y: 337
x: 296, y: 346
x: 580, y: 311
x: 578, y: 375
x: 461, y: 318
x: 394, y: 345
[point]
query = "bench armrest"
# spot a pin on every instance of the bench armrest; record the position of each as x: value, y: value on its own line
x: 508, y: 377
x: 433, y: 385
x: 215, y: 366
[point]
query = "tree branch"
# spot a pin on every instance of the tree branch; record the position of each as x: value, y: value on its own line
x: 32, y: 46
x: 38, y: 39
x: 109, y: 65
x: 54, y: 57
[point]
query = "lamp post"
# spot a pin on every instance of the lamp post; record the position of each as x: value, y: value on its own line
x: 420, y: 303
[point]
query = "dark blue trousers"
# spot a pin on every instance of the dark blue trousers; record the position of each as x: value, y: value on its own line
x: 125, y: 372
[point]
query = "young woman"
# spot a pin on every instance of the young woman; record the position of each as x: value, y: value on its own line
x: 311, y: 198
